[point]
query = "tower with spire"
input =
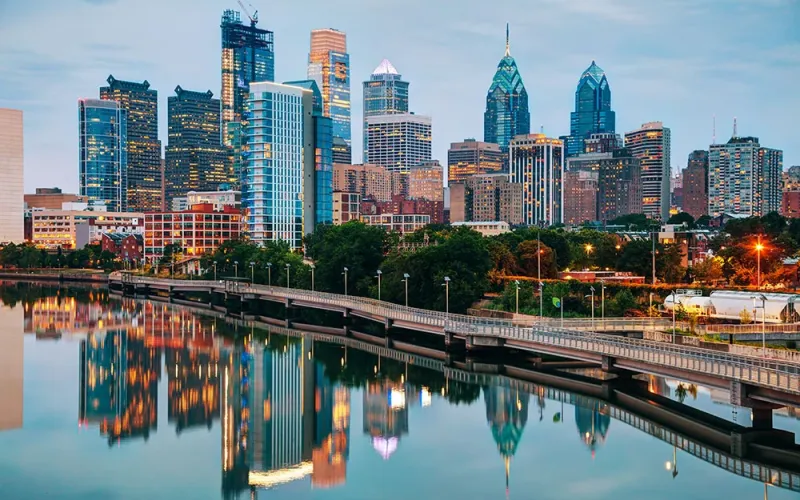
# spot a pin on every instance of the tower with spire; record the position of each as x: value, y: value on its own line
x: 507, y: 113
x: 593, y: 114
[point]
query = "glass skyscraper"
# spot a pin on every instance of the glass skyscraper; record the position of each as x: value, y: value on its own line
x: 144, y: 149
x: 329, y: 66
x: 593, y: 114
x: 537, y: 162
x: 195, y: 158
x: 651, y: 145
x: 247, y: 56
x: 507, y: 112
x: 103, y: 153
x: 385, y: 93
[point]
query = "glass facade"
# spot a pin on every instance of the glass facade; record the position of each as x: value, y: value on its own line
x: 507, y: 112
x: 398, y: 141
x: 195, y: 158
x: 593, y: 114
x: 103, y: 154
x: 651, y: 145
x: 247, y: 56
x: 537, y: 162
x: 385, y: 93
x: 144, y: 149
x: 329, y: 66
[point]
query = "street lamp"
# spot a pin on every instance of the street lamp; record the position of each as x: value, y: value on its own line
x: 236, y: 267
x: 405, y: 282
x: 378, y: 275
x: 603, y: 303
x: 446, y: 286
x: 541, y: 299
x: 345, y: 281
x: 759, y: 247
x: 674, y: 308
x: 269, y: 273
x: 215, y: 270
x: 592, y: 296
x: 288, y: 266
x: 252, y: 272
x: 763, y: 300
x: 313, y: 267
x: 516, y: 282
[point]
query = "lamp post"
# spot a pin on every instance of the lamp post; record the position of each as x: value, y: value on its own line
x: 345, y: 281
x: 378, y: 274
x: 561, y: 306
x: 269, y: 273
x: 313, y: 267
x: 592, y: 296
x: 673, y: 466
x: 446, y: 286
x: 252, y: 272
x: 653, y: 254
x: 405, y: 283
x: 759, y: 247
x: 516, y: 282
x: 236, y: 267
x: 215, y: 271
x: 541, y: 299
x: 674, y: 308
x: 763, y: 300
x: 603, y: 303
x: 288, y: 267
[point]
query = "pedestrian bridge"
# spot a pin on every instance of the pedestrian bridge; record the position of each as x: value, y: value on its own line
x: 749, y: 378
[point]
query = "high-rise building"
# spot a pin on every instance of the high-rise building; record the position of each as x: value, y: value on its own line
x: 619, y: 188
x: 103, y: 153
x: 385, y: 93
x: 12, y: 198
x: 580, y: 196
x: 195, y: 158
x: 471, y: 157
x: 507, y: 112
x: 537, y: 162
x: 651, y: 145
x: 282, y: 195
x: 486, y: 198
x: 398, y: 141
x: 329, y: 66
x: 342, y: 151
x: 247, y: 56
x: 676, y: 192
x: 744, y: 178
x: 606, y: 142
x: 593, y: 114
x: 425, y: 181
x: 144, y: 148
x: 369, y: 181
x: 695, y: 184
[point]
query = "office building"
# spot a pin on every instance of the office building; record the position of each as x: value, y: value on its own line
x: 346, y: 207
x: 507, y: 112
x: 51, y: 199
x: 385, y: 93
x: 197, y: 231
x: 744, y: 178
x: 602, y: 143
x: 425, y: 181
x: 537, y: 162
x: 486, y: 198
x: 593, y: 114
x: 471, y: 157
x: 329, y: 66
x: 398, y: 141
x: 619, y: 187
x: 651, y: 145
x: 74, y: 229
x: 342, y: 152
x: 140, y: 103
x: 103, y: 153
x: 195, y: 159
x: 282, y: 197
x: 247, y: 56
x: 695, y: 184
x: 370, y: 181
x: 12, y: 201
x: 580, y: 196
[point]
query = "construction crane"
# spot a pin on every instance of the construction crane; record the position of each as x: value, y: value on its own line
x: 254, y: 17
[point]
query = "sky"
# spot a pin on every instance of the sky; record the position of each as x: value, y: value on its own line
x: 682, y: 62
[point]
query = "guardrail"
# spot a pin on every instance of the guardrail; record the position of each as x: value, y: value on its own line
x: 751, y: 328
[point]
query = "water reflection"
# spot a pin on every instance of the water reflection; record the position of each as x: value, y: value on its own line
x: 282, y: 404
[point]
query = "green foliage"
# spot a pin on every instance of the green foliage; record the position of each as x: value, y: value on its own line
x: 234, y: 258
x: 682, y: 218
x: 634, y: 222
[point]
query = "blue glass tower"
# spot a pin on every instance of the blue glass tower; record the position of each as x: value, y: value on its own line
x: 103, y: 157
x: 593, y: 114
x: 507, y: 112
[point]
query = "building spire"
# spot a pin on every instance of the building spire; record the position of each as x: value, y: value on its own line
x: 508, y: 44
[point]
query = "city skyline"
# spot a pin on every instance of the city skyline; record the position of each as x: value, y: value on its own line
x: 682, y: 80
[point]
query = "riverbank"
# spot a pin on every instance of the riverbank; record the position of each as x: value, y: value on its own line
x: 61, y: 277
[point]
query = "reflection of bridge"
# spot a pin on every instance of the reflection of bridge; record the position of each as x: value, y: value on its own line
x: 750, y: 378
x: 714, y: 440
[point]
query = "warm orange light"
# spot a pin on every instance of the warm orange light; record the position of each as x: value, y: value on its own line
x: 759, y: 247
x: 619, y: 247
x: 589, y: 248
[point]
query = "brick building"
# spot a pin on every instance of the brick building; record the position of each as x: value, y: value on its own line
x: 197, y: 231
x: 129, y: 247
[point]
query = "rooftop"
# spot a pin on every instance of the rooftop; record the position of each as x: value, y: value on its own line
x: 385, y: 68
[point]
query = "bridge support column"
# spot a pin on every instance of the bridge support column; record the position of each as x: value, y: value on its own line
x: 762, y: 419
x: 448, y: 340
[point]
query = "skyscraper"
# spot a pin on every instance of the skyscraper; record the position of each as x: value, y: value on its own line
x: 651, y: 145
x: 144, y: 148
x: 470, y: 157
x: 12, y: 196
x: 103, y: 153
x: 385, y: 93
x: 398, y: 141
x: 695, y: 184
x: 619, y: 188
x: 537, y: 162
x: 506, y: 113
x: 593, y: 114
x: 195, y: 158
x: 744, y: 178
x: 247, y: 56
x: 329, y: 66
x: 285, y: 169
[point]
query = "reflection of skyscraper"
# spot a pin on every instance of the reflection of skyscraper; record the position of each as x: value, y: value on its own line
x: 332, y: 432
x: 592, y: 424
x: 385, y: 415
x: 507, y: 413
x: 235, y: 399
x: 193, y: 387
x: 11, y: 367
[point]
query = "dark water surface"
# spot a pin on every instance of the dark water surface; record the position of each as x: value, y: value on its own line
x: 104, y: 398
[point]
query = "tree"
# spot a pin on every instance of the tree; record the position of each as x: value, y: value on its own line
x: 529, y: 259
x: 632, y: 222
x: 703, y: 221
x: 636, y: 257
x: 682, y: 218
x: 623, y: 302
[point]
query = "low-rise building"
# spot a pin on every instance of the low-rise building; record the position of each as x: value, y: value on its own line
x: 399, y: 204
x: 346, y: 207
x: 128, y: 247
x: 74, y: 229
x: 400, y: 223
x: 492, y: 228
x: 51, y: 198
x: 197, y: 231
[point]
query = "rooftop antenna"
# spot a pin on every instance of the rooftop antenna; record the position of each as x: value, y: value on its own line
x: 734, y: 126
x: 508, y: 44
x: 714, y: 130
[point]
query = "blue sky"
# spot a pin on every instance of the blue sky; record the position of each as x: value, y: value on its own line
x: 677, y: 61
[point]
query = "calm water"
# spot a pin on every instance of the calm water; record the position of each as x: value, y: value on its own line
x: 111, y: 399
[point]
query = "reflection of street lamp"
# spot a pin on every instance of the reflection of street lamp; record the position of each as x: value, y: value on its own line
x: 673, y: 466
x: 378, y: 275
x: 405, y: 282
x: 269, y: 273
x: 446, y: 286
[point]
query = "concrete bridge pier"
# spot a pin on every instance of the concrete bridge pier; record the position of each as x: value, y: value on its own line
x: 292, y: 312
x: 478, y: 342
